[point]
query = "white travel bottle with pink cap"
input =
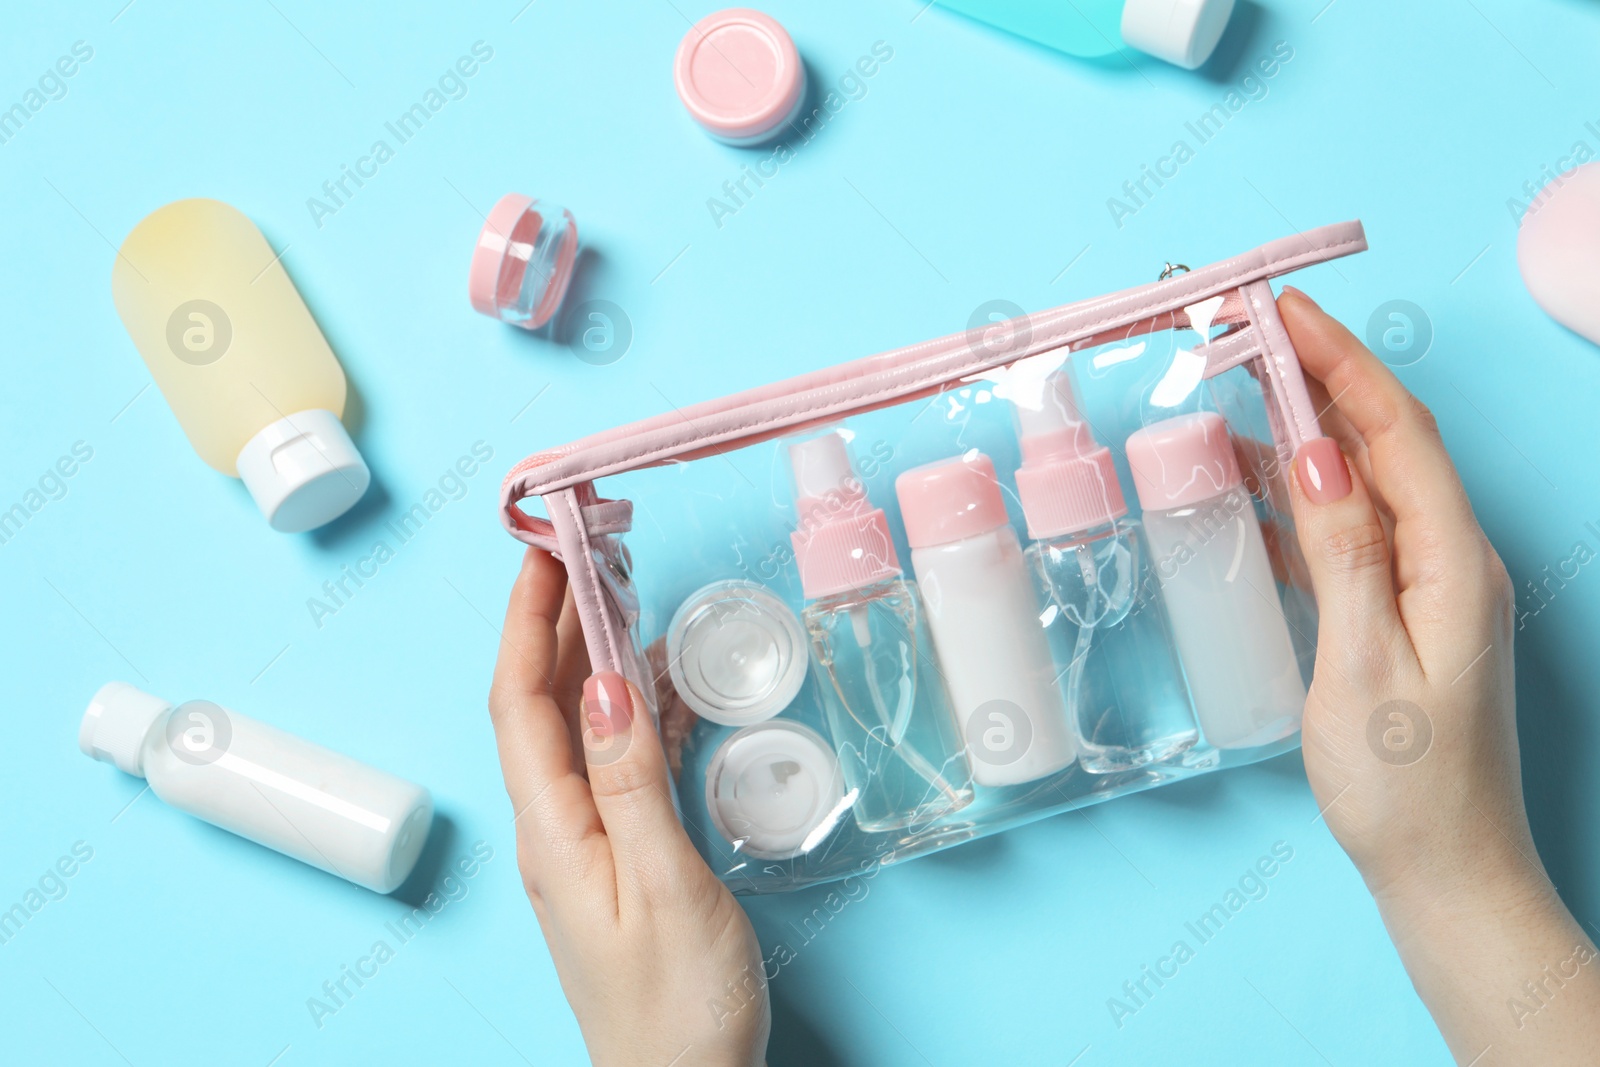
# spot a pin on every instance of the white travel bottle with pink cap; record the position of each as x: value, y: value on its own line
x: 897, y: 741
x: 985, y: 618
x: 1103, y: 616
x: 1217, y: 582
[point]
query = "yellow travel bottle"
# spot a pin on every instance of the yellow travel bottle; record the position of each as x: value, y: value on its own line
x: 240, y: 360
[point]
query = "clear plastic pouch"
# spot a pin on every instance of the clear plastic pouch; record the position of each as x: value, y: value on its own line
x: 926, y: 596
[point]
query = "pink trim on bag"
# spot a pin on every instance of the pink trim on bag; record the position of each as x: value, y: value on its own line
x: 924, y: 369
x: 1283, y: 367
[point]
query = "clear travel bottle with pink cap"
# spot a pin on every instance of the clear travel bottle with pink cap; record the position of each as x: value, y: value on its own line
x: 1104, y: 616
x: 898, y: 745
x: 985, y: 617
x: 1217, y: 582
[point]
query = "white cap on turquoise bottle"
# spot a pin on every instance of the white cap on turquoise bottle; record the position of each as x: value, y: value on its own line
x: 1184, y: 32
x: 303, y: 471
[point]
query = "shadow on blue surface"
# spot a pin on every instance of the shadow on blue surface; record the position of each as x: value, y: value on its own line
x: 431, y: 864
x: 1556, y: 741
x: 1242, y: 43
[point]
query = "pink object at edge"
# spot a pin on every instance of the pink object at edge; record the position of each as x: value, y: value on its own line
x: 842, y: 542
x: 950, y: 500
x: 1558, y: 250
x: 739, y: 74
x: 1182, y: 461
x: 490, y: 252
x: 1068, y: 481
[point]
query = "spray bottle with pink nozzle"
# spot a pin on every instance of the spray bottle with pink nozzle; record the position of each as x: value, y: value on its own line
x: 886, y: 707
x: 1104, y: 615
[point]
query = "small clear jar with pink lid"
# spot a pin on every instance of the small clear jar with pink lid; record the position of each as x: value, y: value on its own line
x: 523, y: 261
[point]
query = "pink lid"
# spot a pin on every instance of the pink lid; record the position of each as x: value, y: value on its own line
x: 951, y: 500
x: 1067, y: 482
x: 493, y: 240
x: 843, y: 542
x: 519, y: 235
x: 1182, y: 461
x: 739, y: 75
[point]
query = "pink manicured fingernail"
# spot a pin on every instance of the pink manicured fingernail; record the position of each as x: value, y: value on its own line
x: 1322, y: 472
x: 607, y: 704
x: 1302, y: 296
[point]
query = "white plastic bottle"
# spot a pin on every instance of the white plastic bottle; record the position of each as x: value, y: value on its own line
x: 1217, y: 581
x: 276, y: 789
x: 985, y: 618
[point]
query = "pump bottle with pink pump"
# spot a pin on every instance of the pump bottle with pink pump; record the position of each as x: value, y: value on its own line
x: 886, y: 707
x: 1104, y: 615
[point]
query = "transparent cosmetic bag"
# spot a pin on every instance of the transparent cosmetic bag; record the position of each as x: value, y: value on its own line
x: 926, y: 596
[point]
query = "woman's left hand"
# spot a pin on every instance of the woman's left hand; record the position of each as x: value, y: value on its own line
x: 659, y: 963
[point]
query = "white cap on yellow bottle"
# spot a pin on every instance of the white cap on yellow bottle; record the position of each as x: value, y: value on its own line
x: 303, y: 471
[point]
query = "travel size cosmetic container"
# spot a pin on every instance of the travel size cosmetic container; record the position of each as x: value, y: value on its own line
x: 1217, y: 582
x: 1123, y: 687
x: 740, y: 76
x: 897, y: 741
x: 736, y: 653
x: 774, y: 791
x: 523, y: 261
x: 985, y: 618
x: 263, y: 784
x: 240, y: 360
x: 1182, y: 32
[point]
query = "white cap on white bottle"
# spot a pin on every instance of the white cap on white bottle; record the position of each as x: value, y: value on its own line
x: 115, y: 725
x: 303, y: 470
x: 1184, y: 32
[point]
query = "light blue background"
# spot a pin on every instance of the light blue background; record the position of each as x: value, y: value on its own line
x: 976, y: 167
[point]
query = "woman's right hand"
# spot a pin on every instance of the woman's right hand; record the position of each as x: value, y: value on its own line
x: 1410, y: 739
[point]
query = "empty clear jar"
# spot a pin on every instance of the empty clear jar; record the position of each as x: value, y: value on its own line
x: 896, y: 738
x: 1104, y: 617
x: 523, y: 261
